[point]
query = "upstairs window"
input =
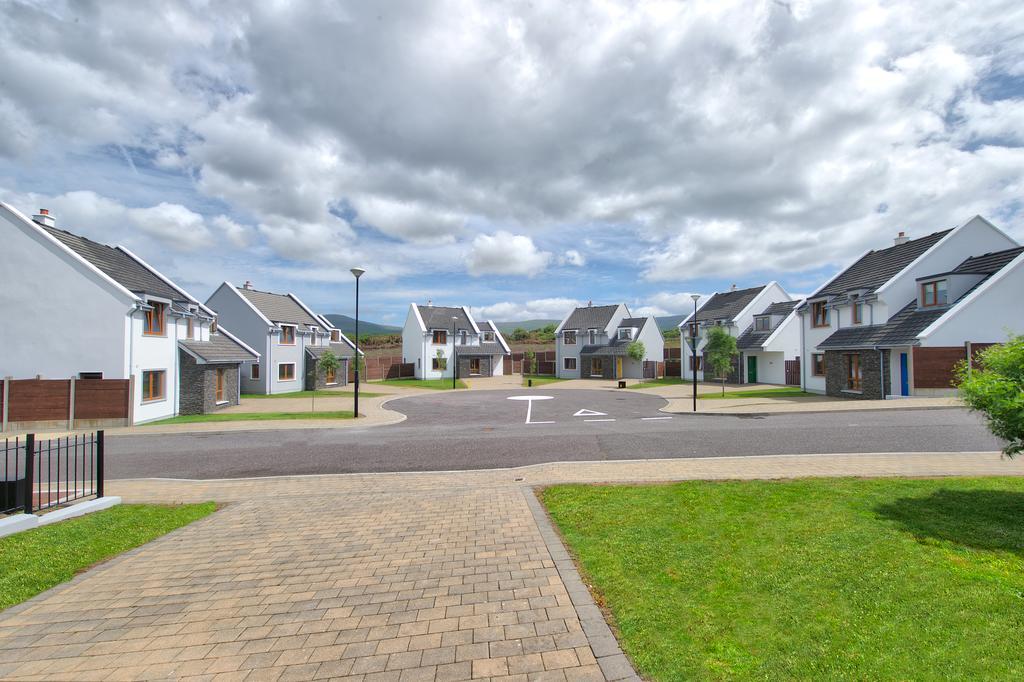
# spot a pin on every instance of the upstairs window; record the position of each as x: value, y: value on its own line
x: 488, y: 337
x: 156, y: 317
x: 213, y: 327
x: 762, y: 324
x: 625, y: 334
x: 463, y: 336
x: 313, y: 335
x: 857, y: 310
x: 440, y: 336
x: 819, y: 314
x: 287, y: 335
x: 190, y: 331
x: 934, y: 293
x: 569, y: 337
x: 335, y: 335
x: 592, y: 334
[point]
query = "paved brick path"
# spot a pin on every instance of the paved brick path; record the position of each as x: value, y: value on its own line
x: 366, y: 577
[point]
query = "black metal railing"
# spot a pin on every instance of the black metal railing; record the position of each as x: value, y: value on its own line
x: 38, y: 474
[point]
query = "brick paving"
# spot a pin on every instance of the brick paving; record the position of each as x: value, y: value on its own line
x: 367, y: 577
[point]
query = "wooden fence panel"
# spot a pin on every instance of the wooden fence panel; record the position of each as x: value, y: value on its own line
x: 101, y: 399
x: 673, y: 368
x: 793, y: 372
x: 39, y: 400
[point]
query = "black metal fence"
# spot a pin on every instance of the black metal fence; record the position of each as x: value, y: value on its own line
x: 38, y: 474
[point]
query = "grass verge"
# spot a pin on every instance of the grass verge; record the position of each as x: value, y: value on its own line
x: 250, y: 417
x: 807, y: 579
x: 433, y: 384
x: 309, y: 394
x: 781, y: 392
x: 38, y: 559
x: 664, y: 381
x: 541, y: 380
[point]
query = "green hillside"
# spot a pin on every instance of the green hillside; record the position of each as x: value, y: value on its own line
x: 347, y: 325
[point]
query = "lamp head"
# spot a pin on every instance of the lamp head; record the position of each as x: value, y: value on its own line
x: 358, y: 272
x: 695, y: 297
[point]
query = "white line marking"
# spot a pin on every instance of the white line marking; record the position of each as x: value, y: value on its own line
x: 529, y: 405
x: 590, y: 413
x: 651, y: 419
x: 598, y: 420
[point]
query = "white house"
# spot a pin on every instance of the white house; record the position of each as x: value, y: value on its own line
x: 734, y: 311
x: 121, y: 319
x: 770, y: 346
x: 896, y: 321
x: 593, y: 342
x: 433, y: 335
x: 290, y: 336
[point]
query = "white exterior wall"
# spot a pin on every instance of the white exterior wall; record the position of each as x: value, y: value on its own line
x: 987, y: 315
x: 156, y: 353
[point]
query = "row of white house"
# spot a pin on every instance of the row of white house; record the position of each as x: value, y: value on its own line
x: 122, y: 319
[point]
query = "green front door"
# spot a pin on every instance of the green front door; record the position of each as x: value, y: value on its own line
x: 751, y: 369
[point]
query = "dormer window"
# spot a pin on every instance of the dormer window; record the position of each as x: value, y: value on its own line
x: 312, y: 336
x: 488, y: 337
x: 856, y: 309
x: 592, y: 334
x: 819, y: 314
x: 625, y: 334
x: 463, y: 336
x: 934, y: 293
x: 335, y: 335
x: 569, y: 337
x: 155, y: 319
x: 190, y: 330
x: 762, y: 324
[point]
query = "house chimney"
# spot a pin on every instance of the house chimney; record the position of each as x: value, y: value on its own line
x: 901, y: 238
x: 590, y: 303
x: 247, y: 286
x: 44, y: 218
x: 732, y: 287
x: 430, y: 303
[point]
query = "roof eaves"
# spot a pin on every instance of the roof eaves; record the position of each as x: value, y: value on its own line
x: 476, y: 327
x: 419, y: 318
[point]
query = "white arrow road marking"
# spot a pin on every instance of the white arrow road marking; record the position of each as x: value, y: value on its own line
x: 590, y: 413
x: 529, y: 405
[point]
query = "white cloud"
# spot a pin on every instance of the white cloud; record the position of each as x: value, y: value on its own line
x: 665, y: 303
x: 238, y: 235
x: 539, y: 309
x: 572, y: 257
x: 504, y: 253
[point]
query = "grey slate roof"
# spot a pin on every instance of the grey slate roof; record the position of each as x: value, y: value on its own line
x: 117, y: 265
x: 751, y: 339
x: 876, y: 268
x: 340, y: 349
x: 988, y: 264
x: 483, y: 349
x: 590, y: 317
x: 901, y: 330
x: 631, y: 322
x: 781, y: 308
x: 280, y: 308
x: 440, y: 317
x: 725, y: 305
x: 611, y: 349
x: 219, y: 349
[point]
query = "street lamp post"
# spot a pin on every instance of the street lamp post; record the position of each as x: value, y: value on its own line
x: 455, y: 360
x: 357, y: 272
x: 693, y: 345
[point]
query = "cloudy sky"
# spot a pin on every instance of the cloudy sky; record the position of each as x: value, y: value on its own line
x: 516, y: 156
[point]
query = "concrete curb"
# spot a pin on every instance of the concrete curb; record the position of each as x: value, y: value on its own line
x: 782, y: 413
x: 614, y: 664
x: 22, y: 522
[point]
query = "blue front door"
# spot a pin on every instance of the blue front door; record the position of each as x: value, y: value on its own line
x: 904, y: 375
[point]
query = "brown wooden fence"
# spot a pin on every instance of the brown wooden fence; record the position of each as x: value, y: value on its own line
x: 384, y: 367
x: 793, y: 372
x: 33, y: 403
x: 933, y: 366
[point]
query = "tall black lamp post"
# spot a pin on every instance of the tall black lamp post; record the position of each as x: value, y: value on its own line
x: 455, y: 360
x: 694, y: 328
x: 357, y: 272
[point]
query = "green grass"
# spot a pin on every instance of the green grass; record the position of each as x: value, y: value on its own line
x: 250, y: 417
x: 36, y: 560
x: 664, y: 381
x: 808, y: 579
x: 540, y: 380
x: 434, y: 384
x: 309, y: 394
x: 782, y: 392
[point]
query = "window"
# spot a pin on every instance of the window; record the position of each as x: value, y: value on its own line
x: 287, y: 335
x: 331, y: 376
x: 312, y: 338
x: 819, y: 314
x: 155, y: 318
x: 213, y: 327
x: 488, y: 337
x: 857, y: 312
x: 474, y: 365
x: 440, y: 336
x: 569, y: 337
x: 286, y: 371
x: 569, y: 364
x: 153, y: 384
x: 625, y: 334
x: 934, y: 293
x: 696, y: 363
x: 462, y: 337
x: 692, y: 330
x: 592, y: 334
x: 220, y: 385
x: 335, y: 335
x: 190, y: 332
x: 853, y: 372
x: 254, y: 372
x: 818, y: 364
x: 762, y: 324
x: 596, y: 367
x: 90, y: 375
x: 439, y: 364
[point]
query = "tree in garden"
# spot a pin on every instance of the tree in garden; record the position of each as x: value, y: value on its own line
x: 520, y: 334
x: 529, y: 362
x: 328, y: 362
x: 720, y: 350
x: 995, y: 387
x: 636, y: 350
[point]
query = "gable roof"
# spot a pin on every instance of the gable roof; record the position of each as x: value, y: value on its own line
x: 590, y: 317
x: 117, y: 265
x: 989, y: 263
x: 440, y: 317
x: 875, y: 268
x: 725, y: 305
x: 279, y: 308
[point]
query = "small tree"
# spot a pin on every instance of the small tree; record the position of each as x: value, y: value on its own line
x: 720, y: 350
x: 996, y: 388
x: 328, y: 362
x: 636, y: 350
x: 529, y: 362
x: 520, y: 334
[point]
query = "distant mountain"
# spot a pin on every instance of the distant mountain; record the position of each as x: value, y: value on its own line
x: 347, y: 325
x: 528, y: 325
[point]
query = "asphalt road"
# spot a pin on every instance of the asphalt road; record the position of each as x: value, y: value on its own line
x: 484, y: 429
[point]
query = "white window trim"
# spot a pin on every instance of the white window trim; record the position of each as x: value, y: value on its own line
x: 312, y: 336
x: 565, y: 364
x: 575, y: 337
x: 592, y: 337
x: 628, y: 332
x: 295, y: 374
x: 254, y: 366
x: 295, y: 336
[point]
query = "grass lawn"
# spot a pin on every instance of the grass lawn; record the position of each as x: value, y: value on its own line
x: 309, y: 394
x: 250, y: 417
x: 664, y: 381
x: 36, y: 560
x: 434, y: 384
x: 809, y: 579
x: 541, y: 380
x: 781, y: 392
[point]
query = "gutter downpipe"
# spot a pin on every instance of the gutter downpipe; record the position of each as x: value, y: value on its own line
x: 803, y: 349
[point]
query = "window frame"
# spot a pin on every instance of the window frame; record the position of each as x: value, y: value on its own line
x: 477, y: 361
x: 439, y: 364
x: 566, y: 367
x: 933, y: 288
x: 599, y: 363
x: 854, y: 379
x: 312, y: 336
x: 463, y: 337
x: 488, y: 337
x: 822, y: 320
x: 335, y: 335
x: 294, y: 333
x: 254, y: 371
x: 570, y: 333
x: 628, y: 332
x: 282, y: 365
x: 331, y: 377
x: 592, y: 337
x: 220, y: 385
x: 190, y: 328
x: 147, y: 386
x: 443, y: 334
x: 857, y: 310
x: 816, y: 359
x: 762, y: 323
x: 157, y: 314
x: 696, y: 363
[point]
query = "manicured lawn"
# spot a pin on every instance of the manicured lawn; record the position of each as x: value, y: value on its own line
x: 36, y: 560
x: 251, y: 417
x: 309, y: 394
x: 664, y: 381
x: 809, y: 579
x: 540, y: 380
x: 435, y: 384
x: 781, y: 392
